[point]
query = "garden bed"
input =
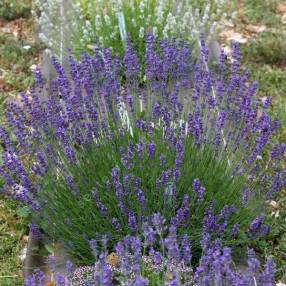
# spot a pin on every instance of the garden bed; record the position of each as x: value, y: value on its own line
x: 118, y: 135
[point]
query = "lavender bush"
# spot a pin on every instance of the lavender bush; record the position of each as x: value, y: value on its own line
x: 129, y: 265
x: 100, y: 157
x: 82, y: 24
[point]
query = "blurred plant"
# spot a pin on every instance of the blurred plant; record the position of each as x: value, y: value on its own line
x: 108, y: 23
x: 275, y: 244
x: 262, y: 12
x: 15, y: 61
x: 99, y: 157
x: 269, y: 48
x: 13, y: 9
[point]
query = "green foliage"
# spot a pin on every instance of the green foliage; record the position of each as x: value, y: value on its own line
x: 164, y: 18
x: 263, y: 12
x: 12, y: 228
x: 269, y: 48
x: 94, y: 171
x: 272, y: 82
x: 13, y: 9
x: 16, y: 62
x: 100, y: 23
x: 275, y: 244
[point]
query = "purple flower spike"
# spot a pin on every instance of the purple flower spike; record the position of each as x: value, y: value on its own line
x: 140, y: 281
x: 70, y: 267
x: 267, y: 278
x: 253, y: 263
x: 131, y: 61
x: 61, y: 280
x: 257, y: 227
x: 159, y: 223
x: 149, y: 234
x: 152, y: 150
x: 163, y: 160
x: 35, y: 230
x: 38, y: 278
x: 157, y: 258
x: 107, y: 276
x: 51, y: 260
x: 199, y: 190
x: 132, y: 222
x: 116, y: 224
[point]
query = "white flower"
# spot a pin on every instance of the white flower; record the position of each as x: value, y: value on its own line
x: 234, y: 14
x: 107, y: 20
x: 159, y: 14
x: 113, y: 35
x: 149, y: 20
x: 165, y: 32
x: 87, y: 24
x: 155, y: 31
x: 142, y: 7
x: 97, y: 22
x: 134, y: 24
x: 171, y: 24
x: 141, y: 33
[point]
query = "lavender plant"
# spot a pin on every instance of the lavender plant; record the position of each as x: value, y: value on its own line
x: 99, y: 157
x: 129, y: 265
x: 108, y: 23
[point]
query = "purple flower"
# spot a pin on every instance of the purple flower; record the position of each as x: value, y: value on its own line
x: 257, y: 227
x: 198, y: 189
x: 131, y: 62
x: 235, y: 230
x: 51, y: 260
x: 246, y: 195
x: 149, y: 234
x: 36, y: 279
x: 70, y: 267
x: 163, y: 160
x: 172, y: 244
x: 132, y: 222
x: 61, y: 280
x: 253, y: 263
x: 94, y: 247
x: 35, y: 230
x: 152, y: 150
x: 116, y: 224
x: 107, y: 276
x: 141, y: 198
x: 140, y: 281
x: 186, y: 249
x: 159, y: 223
x: 278, y: 151
x: 183, y: 213
x: 166, y: 175
x: 267, y: 278
x: 157, y: 258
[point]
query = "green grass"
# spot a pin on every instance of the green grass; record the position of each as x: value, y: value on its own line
x: 262, y: 12
x: 15, y: 76
x: 12, y: 228
x: 15, y: 62
x: 13, y: 9
x: 275, y: 244
x: 272, y: 82
x: 268, y: 48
